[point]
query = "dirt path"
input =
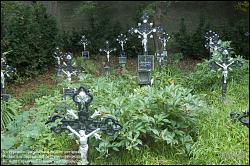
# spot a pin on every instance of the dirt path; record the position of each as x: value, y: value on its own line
x: 33, y: 83
x: 48, y: 77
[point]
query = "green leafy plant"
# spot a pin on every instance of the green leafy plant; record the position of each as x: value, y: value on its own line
x: 31, y: 35
x: 205, y: 77
x: 8, y: 111
x: 86, y: 65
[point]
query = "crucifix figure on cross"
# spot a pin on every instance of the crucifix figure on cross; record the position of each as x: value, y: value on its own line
x: 122, y: 39
x: 83, y: 139
x: 67, y: 67
x: 164, y: 39
x: 59, y: 57
x: 225, y: 64
x: 107, y: 50
x: 162, y: 55
x: 84, y: 125
x: 144, y: 29
x: 84, y: 42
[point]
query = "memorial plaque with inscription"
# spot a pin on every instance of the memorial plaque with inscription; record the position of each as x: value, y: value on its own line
x: 145, y: 62
x: 68, y: 92
x: 122, y: 60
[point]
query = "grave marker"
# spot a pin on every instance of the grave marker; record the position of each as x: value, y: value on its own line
x: 83, y: 125
x: 107, y: 50
x: 225, y: 64
x: 84, y: 42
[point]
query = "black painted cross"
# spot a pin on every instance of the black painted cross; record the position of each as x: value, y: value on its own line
x: 122, y: 39
x: 225, y: 64
x: 144, y: 29
x: 107, y: 50
x: 162, y: 56
x: 68, y: 68
x: 83, y: 125
x: 84, y: 41
x: 83, y: 120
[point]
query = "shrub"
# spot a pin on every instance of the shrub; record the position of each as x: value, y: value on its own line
x: 86, y: 65
x: 192, y: 44
x: 31, y: 35
x: 205, y: 78
x: 165, y: 114
x: 28, y: 131
x: 8, y: 111
x: 147, y: 114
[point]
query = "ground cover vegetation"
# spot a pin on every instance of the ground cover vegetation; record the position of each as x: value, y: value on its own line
x: 180, y: 119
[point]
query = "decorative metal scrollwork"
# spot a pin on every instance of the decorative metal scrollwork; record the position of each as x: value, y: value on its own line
x: 83, y: 120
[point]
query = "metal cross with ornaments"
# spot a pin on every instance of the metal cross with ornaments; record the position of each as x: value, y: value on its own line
x: 59, y: 57
x: 162, y: 56
x: 122, y: 39
x: 7, y: 71
x: 225, y: 64
x: 67, y: 67
x: 144, y: 29
x: 243, y: 117
x: 84, y: 125
x: 84, y: 41
x: 107, y: 50
x: 212, y: 42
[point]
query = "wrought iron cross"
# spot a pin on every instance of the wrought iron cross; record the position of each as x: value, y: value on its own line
x: 7, y: 71
x: 82, y: 120
x: 107, y: 50
x: 225, y: 64
x: 243, y: 118
x: 162, y: 55
x: 213, y: 42
x: 122, y: 39
x: 84, y: 41
x: 59, y: 57
x: 67, y: 67
x: 144, y: 29
x: 164, y: 39
x: 83, y: 125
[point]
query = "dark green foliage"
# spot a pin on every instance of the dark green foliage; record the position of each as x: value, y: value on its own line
x: 235, y: 32
x: 8, y: 111
x: 30, y: 33
x: 192, y: 44
x: 86, y: 65
x: 182, y: 39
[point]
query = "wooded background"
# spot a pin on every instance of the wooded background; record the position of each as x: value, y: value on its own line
x: 215, y: 13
